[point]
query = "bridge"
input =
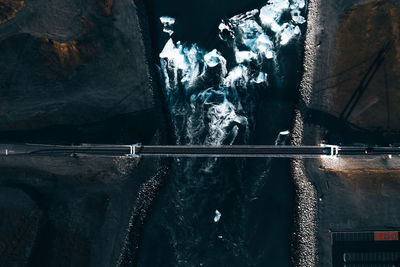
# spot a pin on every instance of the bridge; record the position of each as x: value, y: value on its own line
x: 139, y: 150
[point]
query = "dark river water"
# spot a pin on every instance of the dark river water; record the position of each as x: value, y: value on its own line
x: 225, y: 97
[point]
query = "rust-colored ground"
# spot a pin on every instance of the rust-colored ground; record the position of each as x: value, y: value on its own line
x: 62, y: 58
x: 108, y: 6
x: 9, y: 8
x: 364, y: 31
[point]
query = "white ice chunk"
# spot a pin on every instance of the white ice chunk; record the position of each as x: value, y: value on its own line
x: 222, y: 26
x: 248, y: 37
x: 298, y: 4
x: 167, y: 20
x: 281, y: 138
x: 249, y: 31
x: 288, y: 32
x: 264, y: 45
x: 213, y: 58
x: 217, y: 216
x: 275, y: 27
x: 284, y: 132
x: 238, y: 75
x: 183, y: 58
x: 272, y: 12
x: 174, y: 54
x: 267, y: 15
x: 245, y: 56
x: 262, y: 77
x: 168, y: 24
x: 296, y: 17
x: 235, y: 131
x: 225, y: 26
x: 192, y: 69
x: 244, y: 16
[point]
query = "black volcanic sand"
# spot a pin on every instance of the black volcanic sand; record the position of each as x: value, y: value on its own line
x: 74, y: 72
x: 354, y: 200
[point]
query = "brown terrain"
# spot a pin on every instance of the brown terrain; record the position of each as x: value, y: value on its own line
x: 358, y: 50
x: 9, y: 8
x: 367, y: 28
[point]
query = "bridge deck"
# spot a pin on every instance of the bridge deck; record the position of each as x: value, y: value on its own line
x: 195, y: 151
x: 231, y: 151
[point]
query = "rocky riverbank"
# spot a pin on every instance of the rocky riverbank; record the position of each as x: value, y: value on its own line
x: 342, y: 45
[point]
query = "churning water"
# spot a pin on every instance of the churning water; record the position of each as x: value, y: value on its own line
x: 234, y: 85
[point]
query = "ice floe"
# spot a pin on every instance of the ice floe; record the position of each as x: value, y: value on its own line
x: 261, y: 78
x: 245, y: 56
x: 168, y: 24
x: 215, y: 58
x: 238, y: 76
x: 271, y: 13
x: 282, y: 137
x: 288, y: 32
x: 217, y: 216
x: 174, y: 54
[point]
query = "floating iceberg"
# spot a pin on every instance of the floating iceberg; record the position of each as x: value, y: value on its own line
x: 298, y: 4
x: 174, y: 54
x: 217, y: 216
x: 288, y: 32
x: 245, y: 16
x: 262, y: 77
x: 225, y: 27
x: 168, y: 24
x: 271, y: 16
x: 167, y: 20
x: 265, y: 46
x: 214, y: 58
x: 271, y: 13
x: 245, y: 29
x: 296, y: 17
x: 245, y: 56
x: 238, y: 76
x: 282, y: 138
x: 185, y: 59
